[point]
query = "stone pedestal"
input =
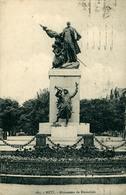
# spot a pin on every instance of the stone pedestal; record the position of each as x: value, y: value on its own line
x: 64, y: 135
x: 64, y: 78
x: 40, y: 140
x: 59, y: 133
x: 88, y: 140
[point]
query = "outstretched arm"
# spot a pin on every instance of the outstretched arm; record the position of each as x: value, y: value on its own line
x: 50, y: 33
x: 76, y: 90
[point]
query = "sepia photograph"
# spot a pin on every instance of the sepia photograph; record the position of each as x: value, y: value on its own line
x: 62, y: 97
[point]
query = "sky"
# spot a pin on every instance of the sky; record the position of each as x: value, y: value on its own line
x: 26, y: 54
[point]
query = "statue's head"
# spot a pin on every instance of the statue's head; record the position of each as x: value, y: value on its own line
x: 68, y: 24
x: 60, y: 92
x: 66, y: 91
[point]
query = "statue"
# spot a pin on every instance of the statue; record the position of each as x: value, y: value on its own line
x: 70, y: 37
x: 64, y: 103
x: 65, y: 47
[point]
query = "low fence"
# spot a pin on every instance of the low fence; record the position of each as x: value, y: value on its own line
x: 102, y: 145
x: 18, y: 146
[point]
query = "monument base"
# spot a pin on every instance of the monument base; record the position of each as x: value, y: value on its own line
x: 64, y: 135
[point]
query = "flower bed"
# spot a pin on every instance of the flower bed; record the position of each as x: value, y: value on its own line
x: 63, y: 166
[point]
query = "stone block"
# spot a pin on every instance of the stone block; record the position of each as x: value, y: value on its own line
x: 88, y: 140
x: 64, y: 135
x: 45, y: 128
x: 40, y: 140
x: 82, y: 128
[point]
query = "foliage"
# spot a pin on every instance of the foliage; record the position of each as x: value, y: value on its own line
x: 33, y: 112
x: 9, y: 114
x: 102, y: 114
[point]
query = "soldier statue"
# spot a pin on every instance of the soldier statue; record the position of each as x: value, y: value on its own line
x: 64, y: 103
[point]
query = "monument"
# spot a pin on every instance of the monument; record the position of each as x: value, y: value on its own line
x: 64, y: 126
x: 65, y: 152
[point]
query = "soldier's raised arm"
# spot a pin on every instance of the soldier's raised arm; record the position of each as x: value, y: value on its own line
x: 76, y: 90
x: 50, y: 33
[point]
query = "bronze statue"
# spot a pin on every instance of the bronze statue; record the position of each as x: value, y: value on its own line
x: 70, y: 37
x: 64, y: 103
x: 65, y: 46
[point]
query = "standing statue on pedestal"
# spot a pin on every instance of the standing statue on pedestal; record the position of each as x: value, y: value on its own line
x: 70, y: 37
x: 64, y: 103
x: 65, y: 47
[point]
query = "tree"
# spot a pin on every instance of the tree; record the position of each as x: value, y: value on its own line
x: 34, y: 111
x: 9, y: 114
x: 103, y: 114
